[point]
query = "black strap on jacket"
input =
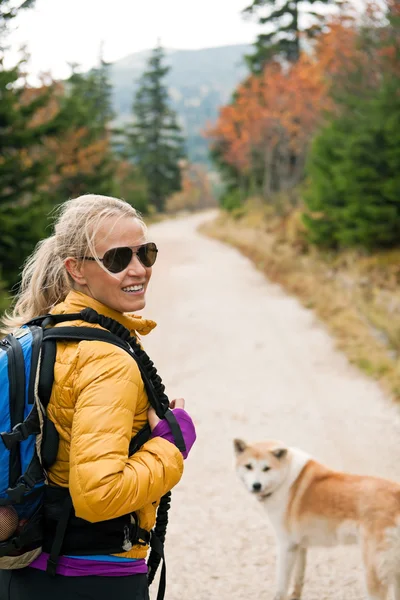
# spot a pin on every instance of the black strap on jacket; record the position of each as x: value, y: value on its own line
x: 59, y: 536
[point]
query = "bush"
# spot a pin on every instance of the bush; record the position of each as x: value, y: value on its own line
x: 231, y: 200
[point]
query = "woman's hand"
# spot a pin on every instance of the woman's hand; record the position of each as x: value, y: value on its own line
x: 152, y: 416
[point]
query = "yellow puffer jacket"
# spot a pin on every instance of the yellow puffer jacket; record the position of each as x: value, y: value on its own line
x: 98, y: 403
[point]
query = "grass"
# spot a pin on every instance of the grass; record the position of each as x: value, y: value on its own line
x: 355, y: 295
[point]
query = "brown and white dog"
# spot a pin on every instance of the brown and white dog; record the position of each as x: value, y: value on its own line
x: 311, y: 505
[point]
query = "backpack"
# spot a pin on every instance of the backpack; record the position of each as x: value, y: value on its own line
x: 29, y: 441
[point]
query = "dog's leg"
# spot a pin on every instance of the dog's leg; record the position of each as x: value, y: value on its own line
x: 300, y: 569
x: 376, y: 589
x: 287, y: 555
x: 396, y: 587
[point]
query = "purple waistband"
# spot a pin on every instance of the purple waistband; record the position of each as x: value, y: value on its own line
x: 77, y: 567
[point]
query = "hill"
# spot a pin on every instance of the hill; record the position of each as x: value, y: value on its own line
x: 199, y: 82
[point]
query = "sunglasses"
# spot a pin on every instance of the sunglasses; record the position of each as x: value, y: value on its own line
x: 117, y: 259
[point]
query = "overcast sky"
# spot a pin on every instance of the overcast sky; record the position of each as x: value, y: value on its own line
x: 61, y: 31
x: 57, y: 32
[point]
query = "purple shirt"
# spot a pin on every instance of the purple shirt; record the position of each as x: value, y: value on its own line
x: 115, y: 566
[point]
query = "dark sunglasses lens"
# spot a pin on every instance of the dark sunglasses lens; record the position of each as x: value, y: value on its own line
x: 117, y: 259
x: 147, y: 254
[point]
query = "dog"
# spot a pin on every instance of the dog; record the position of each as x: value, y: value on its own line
x: 309, y: 505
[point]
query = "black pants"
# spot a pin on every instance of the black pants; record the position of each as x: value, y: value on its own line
x: 32, y: 584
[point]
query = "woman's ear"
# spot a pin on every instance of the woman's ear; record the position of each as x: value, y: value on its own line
x: 75, y: 269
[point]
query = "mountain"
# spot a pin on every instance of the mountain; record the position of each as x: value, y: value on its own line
x: 199, y: 82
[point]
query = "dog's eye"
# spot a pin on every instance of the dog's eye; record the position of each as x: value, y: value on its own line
x: 249, y: 467
x: 265, y: 469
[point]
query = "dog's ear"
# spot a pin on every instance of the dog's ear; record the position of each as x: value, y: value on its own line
x: 279, y: 452
x: 239, y: 445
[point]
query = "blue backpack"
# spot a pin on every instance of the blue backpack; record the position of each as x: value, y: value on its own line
x: 29, y: 441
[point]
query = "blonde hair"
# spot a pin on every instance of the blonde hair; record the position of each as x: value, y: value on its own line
x: 45, y: 280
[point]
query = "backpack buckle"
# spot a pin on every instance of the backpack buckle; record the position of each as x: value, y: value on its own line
x: 138, y: 535
x: 142, y: 537
x: 19, y: 433
x: 8, y: 546
x: 17, y: 493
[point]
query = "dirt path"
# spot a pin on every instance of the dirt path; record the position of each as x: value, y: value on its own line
x: 252, y: 363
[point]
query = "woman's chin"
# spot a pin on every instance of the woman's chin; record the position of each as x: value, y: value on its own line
x: 134, y: 304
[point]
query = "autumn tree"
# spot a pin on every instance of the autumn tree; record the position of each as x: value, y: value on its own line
x: 265, y: 133
x: 286, y: 23
x: 83, y: 157
x: 154, y: 141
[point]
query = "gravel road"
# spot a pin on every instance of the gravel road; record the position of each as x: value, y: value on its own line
x: 251, y: 362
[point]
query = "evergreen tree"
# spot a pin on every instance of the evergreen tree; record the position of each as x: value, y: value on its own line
x: 354, y: 166
x: 282, y: 18
x: 23, y: 168
x: 154, y: 141
x: 86, y: 162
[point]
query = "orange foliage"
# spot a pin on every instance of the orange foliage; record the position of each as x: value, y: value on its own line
x: 69, y: 153
x: 47, y: 112
x: 277, y: 113
x: 279, y: 104
x: 72, y: 156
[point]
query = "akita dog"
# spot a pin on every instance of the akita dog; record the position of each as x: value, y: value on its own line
x: 311, y: 505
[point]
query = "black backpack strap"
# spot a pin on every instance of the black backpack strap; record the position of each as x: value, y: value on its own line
x: 49, y: 319
x: 16, y: 375
x: 140, y: 438
x: 176, y: 430
x: 59, y: 536
x: 157, y: 544
x: 101, y: 335
x: 157, y: 547
x: 80, y: 334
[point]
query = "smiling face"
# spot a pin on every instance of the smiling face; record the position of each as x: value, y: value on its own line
x: 124, y: 291
x: 262, y: 467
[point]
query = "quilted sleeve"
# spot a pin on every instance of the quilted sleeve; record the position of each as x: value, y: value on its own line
x: 104, y: 482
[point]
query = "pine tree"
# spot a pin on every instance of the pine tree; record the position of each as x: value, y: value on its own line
x: 23, y: 168
x: 85, y: 160
x: 354, y: 166
x: 154, y: 140
x: 283, y: 18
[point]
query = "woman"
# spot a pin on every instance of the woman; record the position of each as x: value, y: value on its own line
x: 98, y: 257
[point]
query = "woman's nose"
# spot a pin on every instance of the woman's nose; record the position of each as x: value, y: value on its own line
x: 135, y: 266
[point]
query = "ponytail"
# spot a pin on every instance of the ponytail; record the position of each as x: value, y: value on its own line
x: 44, y: 283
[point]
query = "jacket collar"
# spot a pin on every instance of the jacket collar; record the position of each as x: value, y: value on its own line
x: 76, y: 301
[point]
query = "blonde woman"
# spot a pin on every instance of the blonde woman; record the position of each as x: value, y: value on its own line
x: 99, y: 257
